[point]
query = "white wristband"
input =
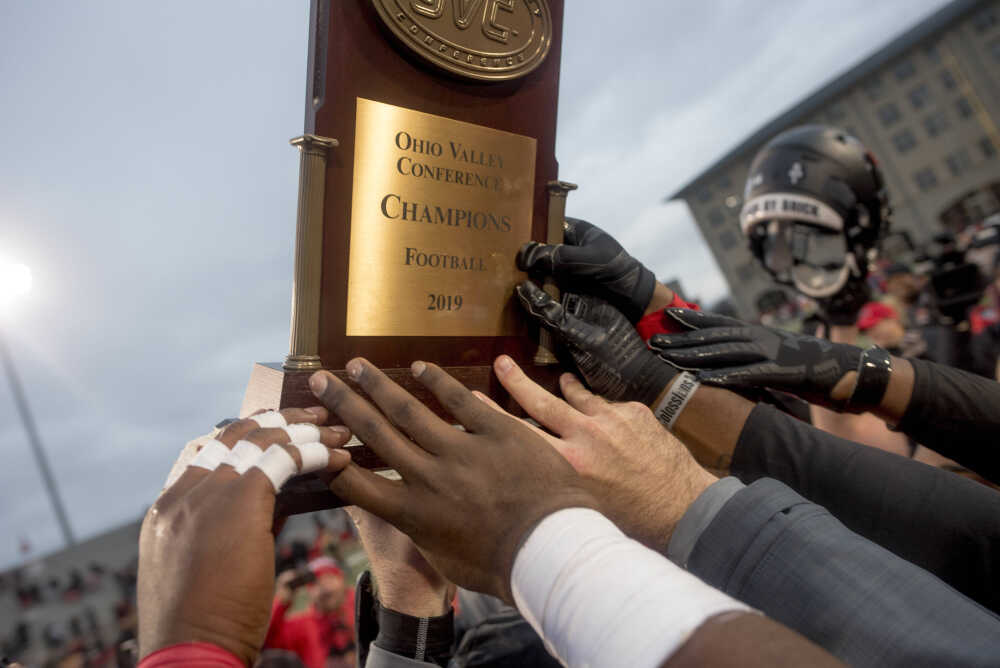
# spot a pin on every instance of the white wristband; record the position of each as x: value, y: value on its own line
x: 242, y: 456
x: 598, y: 598
x: 269, y: 419
x: 676, y: 398
x: 277, y: 465
x: 210, y: 455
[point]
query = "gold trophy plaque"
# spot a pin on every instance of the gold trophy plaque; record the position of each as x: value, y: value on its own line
x: 438, y: 212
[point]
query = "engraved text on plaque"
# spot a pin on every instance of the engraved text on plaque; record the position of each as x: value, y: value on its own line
x: 438, y: 212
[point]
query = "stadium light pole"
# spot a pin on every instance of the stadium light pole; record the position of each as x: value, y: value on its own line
x: 15, y: 282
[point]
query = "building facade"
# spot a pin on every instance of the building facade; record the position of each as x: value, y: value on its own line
x: 927, y: 105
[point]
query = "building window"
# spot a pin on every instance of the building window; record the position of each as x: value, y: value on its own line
x: 987, y: 147
x: 904, y: 70
x: 920, y: 96
x: 904, y: 141
x: 936, y: 123
x: 925, y: 179
x: 948, y: 80
x: 716, y: 218
x: 888, y: 114
x: 965, y: 109
x: 985, y: 20
x: 873, y: 88
x: 704, y: 195
x: 728, y: 240
x: 958, y: 162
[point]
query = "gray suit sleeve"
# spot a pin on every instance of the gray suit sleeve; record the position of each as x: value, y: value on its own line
x: 791, y: 559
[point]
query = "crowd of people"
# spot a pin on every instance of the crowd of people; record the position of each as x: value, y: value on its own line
x: 706, y: 491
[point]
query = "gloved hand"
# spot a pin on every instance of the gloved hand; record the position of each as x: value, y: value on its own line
x: 591, y: 261
x: 731, y: 353
x: 605, y: 346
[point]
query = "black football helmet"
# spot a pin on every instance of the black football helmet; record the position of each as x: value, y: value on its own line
x: 815, y: 210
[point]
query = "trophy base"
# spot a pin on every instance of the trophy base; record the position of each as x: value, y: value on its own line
x: 272, y: 386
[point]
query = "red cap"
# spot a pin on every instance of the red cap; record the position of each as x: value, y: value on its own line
x: 324, y: 566
x: 873, y: 313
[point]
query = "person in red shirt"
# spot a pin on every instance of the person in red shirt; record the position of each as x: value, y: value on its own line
x: 323, y: 634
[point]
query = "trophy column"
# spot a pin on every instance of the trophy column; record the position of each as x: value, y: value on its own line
x: 558, y: 191
x: 303, y: 354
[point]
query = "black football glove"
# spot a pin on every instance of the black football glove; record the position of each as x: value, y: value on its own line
x: 592, y: 262
x: 610, y: 355
x: 734, y: 354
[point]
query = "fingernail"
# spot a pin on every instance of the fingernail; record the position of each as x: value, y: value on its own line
x: 340, y: 429
x: 505, y: 363
x: 418, y: 368
x: 315, y: 410
x: 317, y: 382
x: 354, y: 369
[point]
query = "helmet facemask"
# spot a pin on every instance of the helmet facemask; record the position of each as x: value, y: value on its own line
x: 800, y: 242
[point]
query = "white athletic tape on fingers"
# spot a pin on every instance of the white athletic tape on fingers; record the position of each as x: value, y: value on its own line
x: 211, y: 455
x: 269, y: 419
x: 243, y: 455
x: 277, y: 465
x: 188, y: 453
x: 315, y: 456
x: 302, y: 433
x: 676, y: 399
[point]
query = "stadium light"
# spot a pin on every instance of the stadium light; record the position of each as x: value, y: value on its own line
x: 15, y: 282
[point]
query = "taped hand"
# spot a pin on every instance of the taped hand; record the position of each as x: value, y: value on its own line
x: 206, y: 549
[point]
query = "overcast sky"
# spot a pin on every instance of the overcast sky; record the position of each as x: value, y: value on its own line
x: 146, y: 179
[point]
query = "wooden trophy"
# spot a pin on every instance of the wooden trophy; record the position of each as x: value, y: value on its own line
x: 428, y: 159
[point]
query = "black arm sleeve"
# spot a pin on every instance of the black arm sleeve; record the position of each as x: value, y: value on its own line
x: 957, y: 414
x: 940, y: 521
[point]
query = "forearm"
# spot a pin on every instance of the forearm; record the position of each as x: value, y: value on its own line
x: 662, y: 298
x: 740, y: 639
x: 710, y: 425
x: 794, y: 561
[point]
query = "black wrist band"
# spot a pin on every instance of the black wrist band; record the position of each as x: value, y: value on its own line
x: 873, y: 379
x: 420, y: 638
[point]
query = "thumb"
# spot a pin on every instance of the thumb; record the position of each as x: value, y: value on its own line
x: 536, y: 258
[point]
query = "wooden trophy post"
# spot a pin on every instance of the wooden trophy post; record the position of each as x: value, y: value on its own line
x: 429, y: 146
